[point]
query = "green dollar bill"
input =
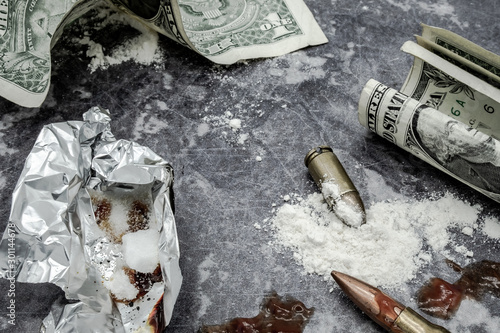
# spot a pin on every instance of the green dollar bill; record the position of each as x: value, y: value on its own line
x: 453, y: 91
x: 28, y: 29
x: 463, y: 53
x: 226, y: 31
x: 451, y: 146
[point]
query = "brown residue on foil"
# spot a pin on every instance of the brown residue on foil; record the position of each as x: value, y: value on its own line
x: 102, y: 212
x: 156, y: 319
x: 137, y: 217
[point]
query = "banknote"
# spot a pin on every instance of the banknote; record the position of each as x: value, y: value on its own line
x: 454, y: 89
x: 439, y: 139
x: 224, y: 31
x: 27, y: 31
x: 462, y: 52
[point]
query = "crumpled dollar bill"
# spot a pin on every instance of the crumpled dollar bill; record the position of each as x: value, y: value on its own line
x: 222, y: 31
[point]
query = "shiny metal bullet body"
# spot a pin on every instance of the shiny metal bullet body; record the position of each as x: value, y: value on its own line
x: 326, y: 169
x: 411, y: 322
x: 382, y: 309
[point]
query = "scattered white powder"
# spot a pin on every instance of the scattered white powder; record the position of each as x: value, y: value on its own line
x: 140, y: 250
x: 397, y: 239
x: 467, y: 231
x: 473, y: 316
x: 242, y: 138
x: 147, y: 123
x: 235, y: 124
x: 225, y: 120
x: 492, y: 227
x: 142, y: 49
x: 119, y: 284
x: 203, y: 129
x: 300, y: 67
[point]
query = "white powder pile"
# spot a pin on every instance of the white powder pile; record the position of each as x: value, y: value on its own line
x: 491, y: 227
x: 142, y: 49
x: 140, y: 250
x: 397, y: 239
x: 119, y: 284
x: 119, y: 216
x: 352, y: 215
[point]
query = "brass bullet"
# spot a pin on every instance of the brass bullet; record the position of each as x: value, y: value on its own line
x: 383, y: 309
x: 337, y: 188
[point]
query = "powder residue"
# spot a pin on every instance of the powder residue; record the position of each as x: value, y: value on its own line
x: 119, y: 284
x: 142, y: 49
x: 141, y: 250
x: 397, y: 239
x: 330, y: 189
x: 352, y: 215
x: 491, y: 227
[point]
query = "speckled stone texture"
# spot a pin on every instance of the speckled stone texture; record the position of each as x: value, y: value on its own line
x: 181, y: 107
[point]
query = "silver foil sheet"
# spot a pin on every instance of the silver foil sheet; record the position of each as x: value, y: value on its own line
x: 52, y: 234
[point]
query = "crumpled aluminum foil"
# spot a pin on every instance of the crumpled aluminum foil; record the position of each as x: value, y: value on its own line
x: 57, y: 239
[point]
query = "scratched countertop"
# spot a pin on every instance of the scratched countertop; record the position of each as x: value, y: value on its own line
x: 286, y: 105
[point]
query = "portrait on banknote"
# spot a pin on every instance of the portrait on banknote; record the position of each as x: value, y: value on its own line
x: 464, y: 151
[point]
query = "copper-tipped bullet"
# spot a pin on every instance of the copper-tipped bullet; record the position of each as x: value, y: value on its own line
x: 382, y: 309
x: 337, y: 188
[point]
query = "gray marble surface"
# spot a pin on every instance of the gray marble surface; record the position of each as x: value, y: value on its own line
x: 287, y: 105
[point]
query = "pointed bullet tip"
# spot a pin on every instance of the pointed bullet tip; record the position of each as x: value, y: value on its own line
x: 339, y: 277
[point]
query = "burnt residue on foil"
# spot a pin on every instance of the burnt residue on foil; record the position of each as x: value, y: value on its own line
x: 63, y: 237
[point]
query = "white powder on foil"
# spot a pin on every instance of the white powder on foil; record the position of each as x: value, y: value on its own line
x: 140, y: 250
x: 119, y: 217
x: 119, y: 284
x: 397, y: 239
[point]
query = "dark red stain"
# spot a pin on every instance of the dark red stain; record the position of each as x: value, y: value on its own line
x: 276, y: 315
x: 442, y: 299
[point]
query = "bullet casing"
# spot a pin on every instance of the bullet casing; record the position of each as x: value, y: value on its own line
x: 325, y: 168
x: 411, y: 322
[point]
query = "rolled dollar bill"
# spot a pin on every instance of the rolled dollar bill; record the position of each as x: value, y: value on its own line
x: 452, y: 90
x: 442, y: 141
